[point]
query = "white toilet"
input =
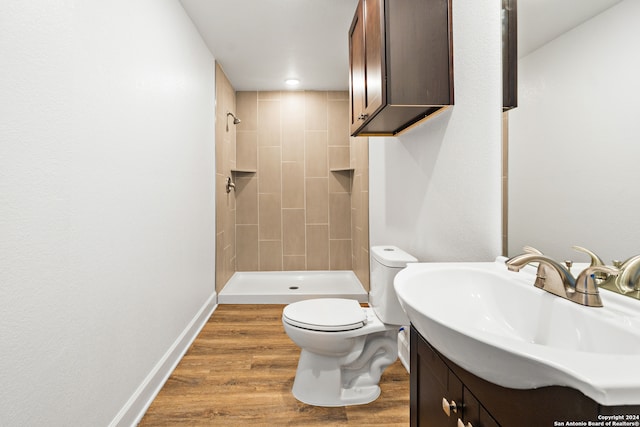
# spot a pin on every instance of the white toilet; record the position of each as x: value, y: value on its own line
x: 346, y: 347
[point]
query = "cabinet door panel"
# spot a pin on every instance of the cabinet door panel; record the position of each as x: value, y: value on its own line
x: 434, y: 382
x: 419, y: 60
x: 430, y: 400
x: 455, y: 394
x: 374, y: 55
x: 509, y: 54
x: 357, y: 75
x: 471, y: 411
x: 474, y: 413
x: 486, y: 420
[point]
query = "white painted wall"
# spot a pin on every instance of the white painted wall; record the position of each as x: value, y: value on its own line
x: 435, y: 191
x: 106, y: 201
x: 575, y: 141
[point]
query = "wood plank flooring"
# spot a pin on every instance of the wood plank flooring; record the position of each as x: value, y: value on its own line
x: 240, y: 370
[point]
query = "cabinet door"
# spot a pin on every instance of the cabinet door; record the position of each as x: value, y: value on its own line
x: 431, y: 382
x: 366, y: 61
x: 471, y: 409
x: 509, y: 55
x: 374, y: 56
x: 474, y: 414
x: 486, y: 420
x: 357, y: 68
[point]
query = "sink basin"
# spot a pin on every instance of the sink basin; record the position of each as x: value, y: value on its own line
x: 497, y: 325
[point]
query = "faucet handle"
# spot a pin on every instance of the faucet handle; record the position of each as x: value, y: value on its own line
x: 595, y: 259
x: 586, y: 282
x: 569, y: 264
x: 631, y: 261
x: 586, y: 290
x: 531, y: 250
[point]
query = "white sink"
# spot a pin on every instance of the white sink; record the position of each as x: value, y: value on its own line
x: 497, y: 325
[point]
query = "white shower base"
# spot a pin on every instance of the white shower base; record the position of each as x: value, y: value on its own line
x: 285, y: 287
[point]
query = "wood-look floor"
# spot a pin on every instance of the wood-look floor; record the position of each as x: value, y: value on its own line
x: 239, y: 371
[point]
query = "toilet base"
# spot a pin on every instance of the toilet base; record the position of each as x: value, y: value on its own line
x: 350, y: 380
x: 355, y: 396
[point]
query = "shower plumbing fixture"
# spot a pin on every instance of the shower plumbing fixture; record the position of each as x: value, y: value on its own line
x: 230, y: 185
x: 235, y: 119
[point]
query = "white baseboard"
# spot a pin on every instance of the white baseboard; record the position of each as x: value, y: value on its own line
x: 137, y: 405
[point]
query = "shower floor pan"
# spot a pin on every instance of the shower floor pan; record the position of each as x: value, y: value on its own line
x: 285, y: 287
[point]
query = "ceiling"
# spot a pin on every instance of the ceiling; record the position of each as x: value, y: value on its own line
x: 260, y: 43
x: 540, y: 21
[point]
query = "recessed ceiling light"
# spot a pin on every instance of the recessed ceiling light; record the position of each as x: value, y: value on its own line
x: 292, y: 82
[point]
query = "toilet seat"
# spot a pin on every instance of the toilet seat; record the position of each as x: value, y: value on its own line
x: 326, y: 314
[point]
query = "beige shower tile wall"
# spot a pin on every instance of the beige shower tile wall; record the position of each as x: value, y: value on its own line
x: 295, y: 213
x: 225, y: 161
x: 360, y: 208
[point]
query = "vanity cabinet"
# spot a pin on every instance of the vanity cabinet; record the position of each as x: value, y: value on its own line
x: 480, y: 403
x: 438, y: 396
x: 401, y: 64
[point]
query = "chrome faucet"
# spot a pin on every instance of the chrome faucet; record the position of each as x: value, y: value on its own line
x: 556, y: 279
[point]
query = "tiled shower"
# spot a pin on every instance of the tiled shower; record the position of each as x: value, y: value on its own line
x: 301, y: 184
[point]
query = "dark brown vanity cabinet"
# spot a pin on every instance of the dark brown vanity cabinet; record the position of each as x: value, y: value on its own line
x: 438, y: 396
x: 438, y: 385
x: 401, y: 64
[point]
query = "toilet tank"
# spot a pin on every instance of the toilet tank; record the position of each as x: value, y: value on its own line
x: 386, y: 262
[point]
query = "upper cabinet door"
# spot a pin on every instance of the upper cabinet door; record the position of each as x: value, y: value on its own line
x: 366, y: 50
x: 357, y: 68
x: 509, y: 54
x: 401, y: 64
x: 374, y: 56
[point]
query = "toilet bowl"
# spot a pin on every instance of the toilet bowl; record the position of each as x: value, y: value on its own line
x: 345, y: 347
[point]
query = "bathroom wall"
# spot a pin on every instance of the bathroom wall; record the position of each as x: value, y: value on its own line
x: 225, y: 162
x: 294, y: 211
x: 574, y: 141
x: 436, y: 190
x: 106, y: 203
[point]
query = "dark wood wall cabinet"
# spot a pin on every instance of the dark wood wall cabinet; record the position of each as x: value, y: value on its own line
x: 401, y: 64
x: 445, y: 395
x: 509, y: 54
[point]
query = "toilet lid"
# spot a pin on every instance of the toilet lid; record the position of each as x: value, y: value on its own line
x: 325, y: 314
